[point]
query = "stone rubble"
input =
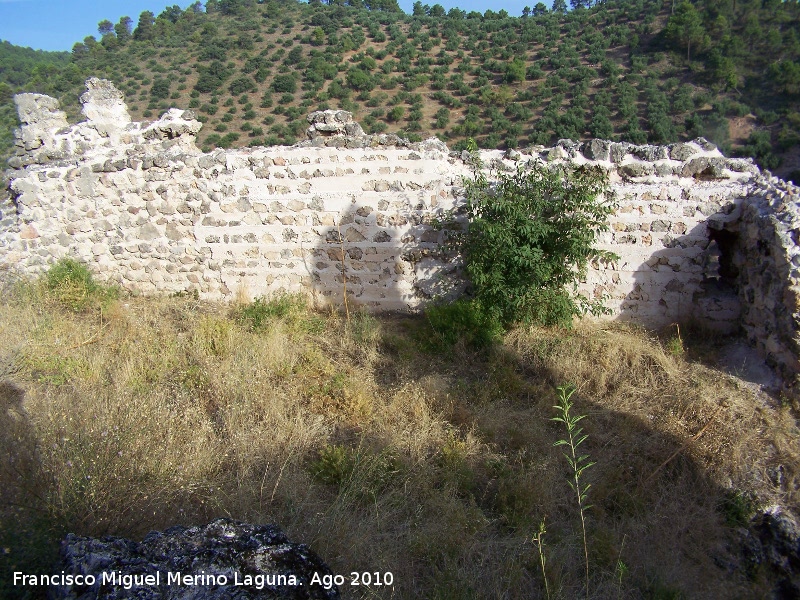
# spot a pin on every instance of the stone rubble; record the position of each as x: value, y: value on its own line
x: 701, y: 237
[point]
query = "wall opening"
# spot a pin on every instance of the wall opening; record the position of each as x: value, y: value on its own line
x: 722, y: 252
x: 716, y: 304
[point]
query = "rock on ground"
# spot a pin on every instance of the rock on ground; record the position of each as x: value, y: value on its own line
x: 259, y: 558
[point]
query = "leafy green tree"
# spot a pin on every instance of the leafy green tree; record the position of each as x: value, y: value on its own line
x: 212, y: 77
x: 105, y: 27
x: 529, y: 239
x: 359, y: 79
x: 685, y: 28
x: 515, y: 70
x: 437, y: 11
x: 241, y: 85
x: 160, y: 89
x: 123, y: 29
x: 396, y: 113
x: 442, y: 118
x: 284, y: 83
x: 601, y: 127
x: 5, y: 92
x: 539, y: 10
x: 79, y: 51
x: 171, y: 13
x: 786, y: 75
x: 144, y: 29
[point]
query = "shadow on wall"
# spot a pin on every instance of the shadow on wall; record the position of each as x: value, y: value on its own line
x: 383, y: 257
x: 694, y: 276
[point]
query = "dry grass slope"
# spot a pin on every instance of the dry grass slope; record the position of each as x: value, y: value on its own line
x: 137, y: 414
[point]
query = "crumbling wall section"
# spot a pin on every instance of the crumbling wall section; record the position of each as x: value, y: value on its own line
x: 700, y: 236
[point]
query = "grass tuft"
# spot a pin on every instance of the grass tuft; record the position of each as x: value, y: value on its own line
x: 72, y: 284
x: 291, y: 309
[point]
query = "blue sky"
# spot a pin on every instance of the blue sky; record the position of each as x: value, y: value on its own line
x: 58, y: 24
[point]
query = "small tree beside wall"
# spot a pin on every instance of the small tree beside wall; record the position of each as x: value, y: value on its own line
x: 530, y: 237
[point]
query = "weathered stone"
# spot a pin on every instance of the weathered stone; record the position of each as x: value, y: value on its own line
x: 704, y: 166
x: 681, y: 152
x: 149, y: 232
x: 772, y: 542
x: 649, y: 153
x: 160, y: 199
x: 596, y: 149
x: 619, y: 151
x: 704, y: 144
x: 663, y: 169
x: 259, y: 558
x: 104, y: 106
x: 174, y: 124
x: 639, y: 169
x: 659, y: 226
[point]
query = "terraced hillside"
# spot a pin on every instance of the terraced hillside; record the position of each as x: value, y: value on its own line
x: 635, y: 70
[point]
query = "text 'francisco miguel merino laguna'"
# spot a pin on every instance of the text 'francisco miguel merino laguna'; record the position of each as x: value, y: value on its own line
x: 128, y: 581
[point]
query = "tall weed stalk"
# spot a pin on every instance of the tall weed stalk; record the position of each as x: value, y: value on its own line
x: 577, y: 463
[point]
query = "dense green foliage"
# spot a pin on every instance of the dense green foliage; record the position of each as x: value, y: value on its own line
x: 463, y: 321
x: 637, y: 70
x: 530, y: 236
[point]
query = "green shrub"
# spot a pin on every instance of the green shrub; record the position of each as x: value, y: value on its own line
x: 463, y: 321
x: 364, y: 329
x: 334, y: 465
x: 72, y: 284
x: 529, y: 239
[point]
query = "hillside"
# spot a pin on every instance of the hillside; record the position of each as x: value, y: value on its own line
x: 635, y: 70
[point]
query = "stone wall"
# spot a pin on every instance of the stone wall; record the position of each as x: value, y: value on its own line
x: 700, y: 237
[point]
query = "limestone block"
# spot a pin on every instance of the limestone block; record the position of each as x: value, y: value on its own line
x: 175, y: 124
x: 104, y: 106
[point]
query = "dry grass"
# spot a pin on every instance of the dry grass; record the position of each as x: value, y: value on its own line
x: 438, y: 468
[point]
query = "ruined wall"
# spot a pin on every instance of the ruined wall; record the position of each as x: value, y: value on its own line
x: 699, y: 236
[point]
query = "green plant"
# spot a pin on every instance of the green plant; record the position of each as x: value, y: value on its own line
x: 530, y: 236
x: 577, y: 463
x: 538, y: 539
x: 71, y: 283
x: 738, y: 507
x: 620, y: 569
x: 675, y: 345
x: 462, y: 321
x: 333, y: 466
x: 364, y: 328
x: 290, y: 308
x: 357, y: 472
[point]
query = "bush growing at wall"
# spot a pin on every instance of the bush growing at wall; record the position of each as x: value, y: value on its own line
x: 71, y: 283
x: 529, y: 239
x: 463, y: 321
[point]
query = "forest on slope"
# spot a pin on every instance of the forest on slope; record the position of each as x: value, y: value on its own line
x: 644, y: 71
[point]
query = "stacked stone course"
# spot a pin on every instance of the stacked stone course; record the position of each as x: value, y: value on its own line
x: 700, y: 237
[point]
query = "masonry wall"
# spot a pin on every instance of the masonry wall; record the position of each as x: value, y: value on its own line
x: 700, y: 237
